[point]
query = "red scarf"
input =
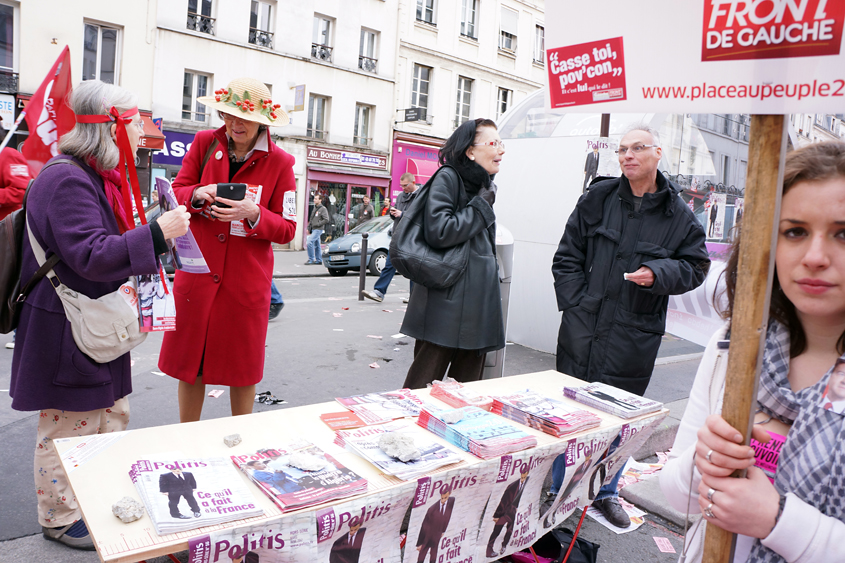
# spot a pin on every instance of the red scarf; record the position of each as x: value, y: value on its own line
x: 111, y: 183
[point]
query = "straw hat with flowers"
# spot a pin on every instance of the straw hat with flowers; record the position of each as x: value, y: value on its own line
x: 248, y: 99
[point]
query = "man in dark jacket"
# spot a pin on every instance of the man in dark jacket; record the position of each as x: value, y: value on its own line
x: 505, y: 513
x: 319, y: 219
x: 347, y: 548
x: 176, y: 485
x: 630, y: 243
x: 434, y: 525
x: 591, y: 166
x: 402, y: 201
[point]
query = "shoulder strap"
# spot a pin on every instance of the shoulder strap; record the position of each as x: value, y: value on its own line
x: 48, y: 165
x: 207, y: 156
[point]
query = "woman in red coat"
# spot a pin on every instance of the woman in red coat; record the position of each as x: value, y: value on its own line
x: 222, y: 316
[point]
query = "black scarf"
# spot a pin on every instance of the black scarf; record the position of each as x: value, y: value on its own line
x: 474, y: 176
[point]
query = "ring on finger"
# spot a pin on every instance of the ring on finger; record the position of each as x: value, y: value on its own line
x: 709, y: 511
x: 710, y: 493
x: 707, y: 457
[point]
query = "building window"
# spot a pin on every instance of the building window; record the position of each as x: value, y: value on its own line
x: 539, y: 44
x: 425, y: 11
x: 468, y: 11
x: 367, y: 53
x: 259, y: 24
x: 99, y: 54
x: 507, y: 33
x: 420, y: 86
x: 7, y: 37
x: 318, y: 107
x: 462, y: 108
x: 195, y: 86
x: 321, y: 46
x: 726, y: 163
x: 362, y: 125
x: 504, y: 102
x: 199, y: 16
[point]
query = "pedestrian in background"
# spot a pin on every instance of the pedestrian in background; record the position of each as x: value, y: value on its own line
x: 630, y: 243
x: 76, y: 212
x: 222, y: 326
x: 15, y: 175
x: 319, y: 219
x: 455, y: 327
x: 403, y: 200
x: 799, y: 517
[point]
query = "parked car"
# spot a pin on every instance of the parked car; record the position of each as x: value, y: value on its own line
x: 344, y: 254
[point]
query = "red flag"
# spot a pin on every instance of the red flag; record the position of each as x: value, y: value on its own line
x: 47, y: 114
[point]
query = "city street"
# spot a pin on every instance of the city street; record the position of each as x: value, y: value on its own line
x: 320, y: 347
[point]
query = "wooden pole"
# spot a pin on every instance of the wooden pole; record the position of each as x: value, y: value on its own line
x: 766, y: 153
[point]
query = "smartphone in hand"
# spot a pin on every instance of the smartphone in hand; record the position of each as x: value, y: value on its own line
x: 234, y: 192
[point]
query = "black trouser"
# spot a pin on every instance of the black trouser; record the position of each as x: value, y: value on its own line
x: 498, y: 528
x: 432, y: 546
x: 431, y: 361
x: 173, y: 503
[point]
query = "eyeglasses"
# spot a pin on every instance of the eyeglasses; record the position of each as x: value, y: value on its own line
x: 636, y: 148
x: 494, y: 144
x: 139, y: 125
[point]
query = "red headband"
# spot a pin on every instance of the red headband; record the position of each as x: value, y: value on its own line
x: 130, y: 188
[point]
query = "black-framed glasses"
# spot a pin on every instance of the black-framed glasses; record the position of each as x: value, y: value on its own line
x: 636, y: 148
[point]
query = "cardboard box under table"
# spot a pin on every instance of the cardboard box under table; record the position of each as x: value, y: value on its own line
x: 99, y: 471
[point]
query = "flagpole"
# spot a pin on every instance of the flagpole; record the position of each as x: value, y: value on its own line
x: 13, y: 129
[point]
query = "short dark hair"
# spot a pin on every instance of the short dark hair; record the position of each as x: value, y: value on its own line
x: 814, y: 163
x: 454, y: 150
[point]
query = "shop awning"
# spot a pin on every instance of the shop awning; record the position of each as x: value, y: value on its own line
x: 153, y: 139
x: 422, y: 169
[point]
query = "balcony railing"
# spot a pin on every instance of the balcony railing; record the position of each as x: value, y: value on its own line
x: 366, y: 63
x: 201, y: 23
x: 321, y: 52
x: 202, y: 117
x: 8, y: 81
x: 362, y: 141
x: 317, y: 133
x: 261, y: 38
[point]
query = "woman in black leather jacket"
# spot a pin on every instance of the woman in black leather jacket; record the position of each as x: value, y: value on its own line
x: 458, y: 325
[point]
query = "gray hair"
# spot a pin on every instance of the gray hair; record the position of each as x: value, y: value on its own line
x: 648, y: 129
x: 94, y: 140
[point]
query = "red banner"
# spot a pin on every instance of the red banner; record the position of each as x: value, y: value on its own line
x: 47, y: 114
x: 771, y: 29
x: 587, y: 73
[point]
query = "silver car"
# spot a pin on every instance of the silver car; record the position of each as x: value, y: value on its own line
x: 344, y: 254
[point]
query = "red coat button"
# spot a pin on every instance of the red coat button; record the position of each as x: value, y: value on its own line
x: 221, y: 237
x: 216, y: 278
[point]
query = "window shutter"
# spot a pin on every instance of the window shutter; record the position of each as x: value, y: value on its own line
x: 510, y: 21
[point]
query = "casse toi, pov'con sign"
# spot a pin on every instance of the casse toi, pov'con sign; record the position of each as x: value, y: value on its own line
x: 702, y: 56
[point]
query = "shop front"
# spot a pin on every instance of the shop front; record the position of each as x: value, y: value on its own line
x: 343, y: 179
x: 414, y: 154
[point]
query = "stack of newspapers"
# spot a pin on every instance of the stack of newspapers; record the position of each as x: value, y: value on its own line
x: 456, y: 395
x: 475, y: 430
x: 365, y: 443
x: 610, y: 399
x: 378, y: 408
x: 186, y: 493
x: 299, y: 474
x: 543, y: 413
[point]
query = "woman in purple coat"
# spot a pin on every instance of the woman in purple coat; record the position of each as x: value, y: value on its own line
x: 75, y: 211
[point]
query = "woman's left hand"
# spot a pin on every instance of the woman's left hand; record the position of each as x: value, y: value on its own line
x: 746, y: 506
x: 240, y: 209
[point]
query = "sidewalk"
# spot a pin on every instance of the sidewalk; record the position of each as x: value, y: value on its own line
x: 291, y: 264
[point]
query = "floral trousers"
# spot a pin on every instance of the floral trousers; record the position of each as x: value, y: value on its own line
x: 57, y: 504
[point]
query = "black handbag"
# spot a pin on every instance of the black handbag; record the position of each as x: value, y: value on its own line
x: 553, y: 546
x: 410, y: 253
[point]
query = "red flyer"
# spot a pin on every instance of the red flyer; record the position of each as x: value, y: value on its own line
x: 587, y: 73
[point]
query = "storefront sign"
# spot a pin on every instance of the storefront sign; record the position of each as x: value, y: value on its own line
x: 704, y: 56
x: 415, y: 114
x: 348, y: 158
x: 7, y: 110
x: 176, y: 146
